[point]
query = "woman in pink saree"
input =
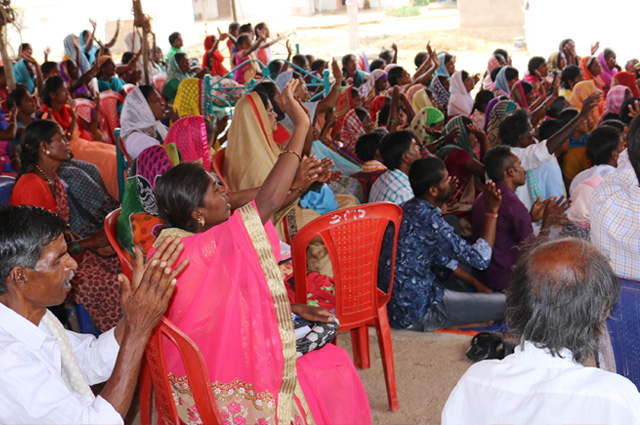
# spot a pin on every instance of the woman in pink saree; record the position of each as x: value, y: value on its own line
x: 231, y: 300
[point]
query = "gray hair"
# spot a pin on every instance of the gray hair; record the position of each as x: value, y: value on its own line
x: 559, y: 296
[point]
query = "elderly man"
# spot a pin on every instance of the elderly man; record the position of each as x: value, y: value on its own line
x: 45, y: 370
x: 559, y: 298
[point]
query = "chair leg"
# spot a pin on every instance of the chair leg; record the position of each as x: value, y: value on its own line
x: 386, y: 353
x: 360, y: 342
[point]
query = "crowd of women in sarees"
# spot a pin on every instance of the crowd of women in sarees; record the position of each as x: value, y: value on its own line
x: 234, y: 303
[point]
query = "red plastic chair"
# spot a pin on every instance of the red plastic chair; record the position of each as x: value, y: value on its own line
x: 109, y: 119
x: 218, y: 165
x: 154, y: 374
x: 354, y: 237
x: 158, y: 82
x: 110, y: 228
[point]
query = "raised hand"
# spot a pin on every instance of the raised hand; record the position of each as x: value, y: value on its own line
x: 451, y: 136
x: 555, y: 212
x: 292, y: 106
x: 492, y: 197
x: 590, y: 103
x: 634, y: 109
x: 595, y: 47
x: 336, y: 71
x: 537, y: 209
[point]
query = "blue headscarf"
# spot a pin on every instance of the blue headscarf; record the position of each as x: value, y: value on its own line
x: 21, y: 75
x: 442, y: 69
x: 501, y: 81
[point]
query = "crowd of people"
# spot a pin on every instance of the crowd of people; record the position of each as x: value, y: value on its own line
x: 485, y: 166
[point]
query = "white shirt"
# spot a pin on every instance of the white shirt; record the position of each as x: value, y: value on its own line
x: 136, y: 142
x: 531, y: 158
x: 32, y: 390
x: 534, y: 388
x: 602, y: 170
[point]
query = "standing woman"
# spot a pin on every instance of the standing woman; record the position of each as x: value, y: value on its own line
x: 45, y: 149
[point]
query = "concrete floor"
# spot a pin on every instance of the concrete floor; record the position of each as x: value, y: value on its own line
x: 428, y: 366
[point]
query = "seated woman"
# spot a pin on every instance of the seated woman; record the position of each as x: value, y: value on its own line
x: 591, y: 70
x: 460, y: 101
x: 505, y: 80
x: 350, y: 72
x: 27, y: 71
x: 440, y: 88
x: 348, y: 99
x: 626, y: 79
x: 356, y: 123
x: 140, y: 120
x: 581, y: 91
x: 427, y: 122
x: 250, y: 155
x: 59, y: 107
x: 609, y: 66
x: 483, y: 97
x: 106, y: 75
x: 177, y: 71
x: 255, y: 373
x: 375, y: 85
x: 76, y: 83
x: 538, y: 70
x: 463, y: 163
x: 501, y: 109
x: 571, y: 75
x: 45, y: 159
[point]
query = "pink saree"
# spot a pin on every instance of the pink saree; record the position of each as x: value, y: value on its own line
x: 231, y: 300
x: 189, y: 134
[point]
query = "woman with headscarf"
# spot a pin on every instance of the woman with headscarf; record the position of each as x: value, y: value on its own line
x: 177, y: 71
x: 440, y: 88
x: 72, y: 49
x: 356, y: 123
x: 348, y: 99
x: 250, y: 154
x: 140, y: 120
x: 501, y: 109
x: 460, y: 101
x: 581, y: 92
x: 106, y: 75
x: 615, y: 98
x: 495, y: 61
x: 556, y: 62
x: 607, y: 60
x: 447, y: 64
x: 626, y: 79
x: 212, y: 58
x: 591, y: 70
x: 505, y: 80
x: 375, y: 107
x: 427, y: 117
x: 462, y: 162
x: 375, y: 85
x: 76, y: 83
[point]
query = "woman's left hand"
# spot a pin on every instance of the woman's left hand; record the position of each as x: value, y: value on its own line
x: 308, y: 173
x: 312, y: 313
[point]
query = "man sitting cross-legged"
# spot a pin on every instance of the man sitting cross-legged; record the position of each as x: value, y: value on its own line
x: 425, y: 240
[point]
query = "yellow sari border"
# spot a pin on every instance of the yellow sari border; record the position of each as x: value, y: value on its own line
x: 275, y: 282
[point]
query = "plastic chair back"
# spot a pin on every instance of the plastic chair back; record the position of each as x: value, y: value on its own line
x: 6, y: 186
x: 624, y: 331
x: 156, y: 373
x: 111, y: 229
x: 84, y: 108
x: 218, y: 165
x: 354, y: 238
x: 158, y: 82
x: 109, y: 119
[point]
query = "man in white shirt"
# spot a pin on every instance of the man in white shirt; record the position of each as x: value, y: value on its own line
x: 398, y: 150
x: 516, y: 131
x: 45, y: 370
x: 559, y: 297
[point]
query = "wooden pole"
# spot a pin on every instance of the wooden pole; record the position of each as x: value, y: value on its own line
x: 6, y: 60
x: 234, y: 12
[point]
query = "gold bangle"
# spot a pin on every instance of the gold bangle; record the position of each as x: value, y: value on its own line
x: 292, y: 152
x: 68, y: 133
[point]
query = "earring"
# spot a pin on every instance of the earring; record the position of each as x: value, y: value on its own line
x: 48, y: 152
x: 201, y: 221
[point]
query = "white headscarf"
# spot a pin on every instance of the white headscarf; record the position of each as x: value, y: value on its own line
x: 460, y: 102
x: 70, y: 50
x: 137, y: 116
